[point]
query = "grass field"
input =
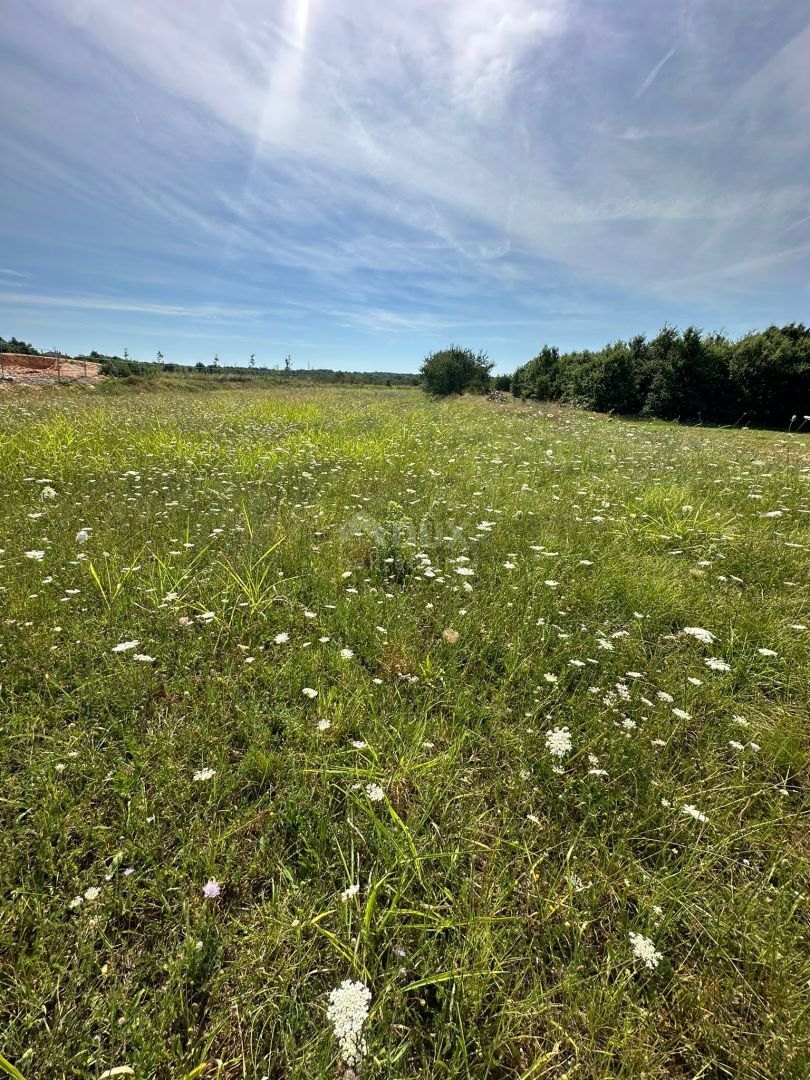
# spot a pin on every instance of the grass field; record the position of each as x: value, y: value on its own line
x: 408, y: 686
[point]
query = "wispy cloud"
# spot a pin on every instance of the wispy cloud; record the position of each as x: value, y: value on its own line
x: 405, y: 168
x: 653, y: 75
x: 99, y: 303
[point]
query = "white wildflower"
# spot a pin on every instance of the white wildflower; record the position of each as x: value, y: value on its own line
x: 692, y: 811
x: 347, y: 1012
x: 204, y: 774
x: 716, y: 665
x: 558, y: 741
x: 375, y: 792
x: 645, y: 950
x: 125, y: 646
x: 347, y: 894
x: 706, y: 636
x: 309, y: 692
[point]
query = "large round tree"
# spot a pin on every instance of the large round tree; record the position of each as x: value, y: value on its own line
x: 454, y: 370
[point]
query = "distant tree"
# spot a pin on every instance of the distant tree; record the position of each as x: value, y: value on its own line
x: 126, y: 356
x: 14, y: 345
x: 287, y: 364
x: 159, y: 357
x: 216, y: 361
x: 503, y: 383
x: 252, y: 360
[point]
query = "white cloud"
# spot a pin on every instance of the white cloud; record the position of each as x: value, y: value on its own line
x: 653, y: 75
x: 100, y: 303
x: 469, y: 141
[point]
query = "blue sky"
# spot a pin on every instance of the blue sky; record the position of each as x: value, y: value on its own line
x: 357, y: 182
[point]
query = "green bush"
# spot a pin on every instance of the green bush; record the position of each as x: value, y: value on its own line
x: 681, y: 375
x: 540, y: 377
x: 771, y: 374
x: 455, y: 370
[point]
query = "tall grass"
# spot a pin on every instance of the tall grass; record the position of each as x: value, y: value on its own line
x: 256, y: 545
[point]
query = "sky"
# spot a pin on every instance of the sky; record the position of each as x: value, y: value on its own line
x: 356, y: 183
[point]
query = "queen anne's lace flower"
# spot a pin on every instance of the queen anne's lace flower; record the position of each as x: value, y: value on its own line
x: 347, y: 1012
x: 706, y: 636
x: 644, y: 949
x: 125, y: 646
x: 558, y: 741
x: 716, y: 664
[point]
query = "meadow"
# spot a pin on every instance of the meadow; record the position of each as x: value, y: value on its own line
x: 348, y: 733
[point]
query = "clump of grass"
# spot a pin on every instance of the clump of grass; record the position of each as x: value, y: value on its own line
x: 306, y: 689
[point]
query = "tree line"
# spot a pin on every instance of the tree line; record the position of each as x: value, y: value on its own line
x: 763, y: 377
x: 125, y: 367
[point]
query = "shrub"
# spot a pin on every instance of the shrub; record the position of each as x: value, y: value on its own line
x: 606, y: 380
x: 540, y: 377
x: 681, y: 375
x: 455, y: 370
x: 771, y: 373
x: 502, y: 383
